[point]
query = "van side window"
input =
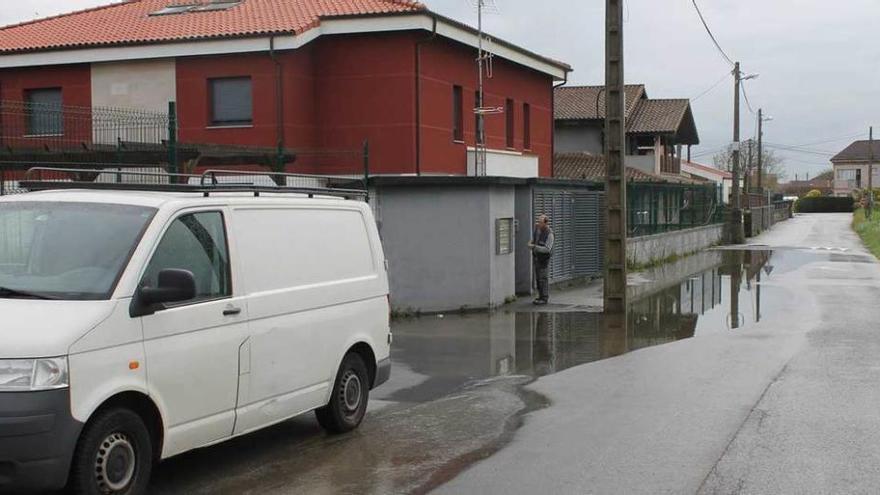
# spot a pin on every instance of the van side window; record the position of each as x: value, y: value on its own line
x: 195, y: 242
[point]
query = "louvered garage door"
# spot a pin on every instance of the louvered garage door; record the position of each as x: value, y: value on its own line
x: 576, y: 218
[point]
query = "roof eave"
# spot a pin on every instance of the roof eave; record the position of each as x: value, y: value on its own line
x: 558, y: 70
x: 125, y: 44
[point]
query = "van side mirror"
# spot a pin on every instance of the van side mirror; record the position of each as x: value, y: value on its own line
x: 173, y: 285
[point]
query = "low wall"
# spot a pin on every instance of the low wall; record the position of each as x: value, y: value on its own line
x: 662, y: 277
x: 650, y: 249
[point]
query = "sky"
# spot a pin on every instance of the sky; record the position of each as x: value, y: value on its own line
x: 818, y: 62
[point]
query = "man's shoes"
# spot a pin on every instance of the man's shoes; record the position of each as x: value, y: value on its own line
x: 539, y: 302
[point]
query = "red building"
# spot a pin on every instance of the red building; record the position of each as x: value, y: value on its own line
x: 303, y: 74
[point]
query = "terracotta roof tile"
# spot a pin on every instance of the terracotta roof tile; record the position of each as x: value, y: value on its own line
x: 657, y: 116
x: 130, y: 22
x: 588, y: 166
x: 579, y: 102
x: 708, y: 169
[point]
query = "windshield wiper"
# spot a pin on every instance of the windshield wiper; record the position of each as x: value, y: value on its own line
x: 6, y: 292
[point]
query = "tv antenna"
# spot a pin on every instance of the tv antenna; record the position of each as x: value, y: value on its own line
x: 484, y: 71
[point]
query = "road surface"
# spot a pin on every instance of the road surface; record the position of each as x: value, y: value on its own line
x: 768, y: 388
x: 787, y: 405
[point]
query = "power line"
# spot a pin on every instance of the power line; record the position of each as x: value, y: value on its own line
x: 712, y: 36
x: 715, y: 85
x: 796, y: 150
x: 802, y: 148
x: 712, y: 151
x: 746, y: 96
x: 834, y: 140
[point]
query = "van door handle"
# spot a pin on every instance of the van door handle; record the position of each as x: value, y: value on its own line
x: 231, y: 311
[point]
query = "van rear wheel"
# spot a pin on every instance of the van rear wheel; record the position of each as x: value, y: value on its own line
x: 114, y: 455
x: 348, y: 402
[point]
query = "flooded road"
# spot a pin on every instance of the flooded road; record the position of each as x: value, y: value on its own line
x: 457, y: 392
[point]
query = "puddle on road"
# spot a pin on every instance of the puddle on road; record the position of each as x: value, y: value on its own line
x: 730, y: 290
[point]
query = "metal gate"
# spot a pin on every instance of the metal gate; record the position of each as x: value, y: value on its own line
x: 577, y: 220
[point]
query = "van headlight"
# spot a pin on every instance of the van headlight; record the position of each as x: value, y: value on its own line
x: 26, y: 375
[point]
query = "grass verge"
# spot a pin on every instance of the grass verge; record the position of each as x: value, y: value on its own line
x: 868, y: 230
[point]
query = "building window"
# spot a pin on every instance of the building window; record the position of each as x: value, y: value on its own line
x: 44, y: 113
x: 527, y: 126
x: 457, y: 114
x: 511, y: 121
x: 845, y: 174
x: 231, y: 101
x: 479, y: 136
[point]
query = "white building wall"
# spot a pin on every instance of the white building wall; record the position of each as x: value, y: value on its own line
x: 141, y: 84
x: 503, y: 163
x: 144, y: 86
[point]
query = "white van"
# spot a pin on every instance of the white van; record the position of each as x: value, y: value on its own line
x: 137, y: 325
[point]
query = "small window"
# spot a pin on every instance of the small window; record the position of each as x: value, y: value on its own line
x: 511, y: 121
x: 457, y: 114
x: 173, y: 9
x: 527, y: 126
x: 44, y: 112
x: 479, y: 136
x: 231, y: 101
x: 215, y: 6
x: 197, y: 243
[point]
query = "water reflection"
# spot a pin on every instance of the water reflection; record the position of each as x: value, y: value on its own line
x: 436, y: 356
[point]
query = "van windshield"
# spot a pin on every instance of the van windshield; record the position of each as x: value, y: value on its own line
x: 66, y: 250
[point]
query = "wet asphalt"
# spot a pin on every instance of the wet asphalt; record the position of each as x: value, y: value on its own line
x: 787, y: 404
x: 693, y: 396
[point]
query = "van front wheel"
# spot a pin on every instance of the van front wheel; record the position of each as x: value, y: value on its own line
x: 348, y: 402
x: 113, y: 456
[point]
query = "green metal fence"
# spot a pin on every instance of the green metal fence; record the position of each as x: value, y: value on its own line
x: 104, y: 139
x: 662, y: 207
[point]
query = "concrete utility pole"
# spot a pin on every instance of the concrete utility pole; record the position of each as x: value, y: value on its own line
x: 747, y: 175
x: 737, y: 235
x: 870, y: 173
x: 760, y: 150
x: 615, y: 179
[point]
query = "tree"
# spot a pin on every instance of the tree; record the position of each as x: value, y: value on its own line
x: 827, y: 174
x: 773, y: 167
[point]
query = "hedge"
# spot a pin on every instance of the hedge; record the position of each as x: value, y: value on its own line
x: 825, y: 204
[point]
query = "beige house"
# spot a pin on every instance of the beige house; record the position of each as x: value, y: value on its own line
x: 851, y: 167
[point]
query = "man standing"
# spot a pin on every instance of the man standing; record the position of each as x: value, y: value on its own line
x: 541, y: 246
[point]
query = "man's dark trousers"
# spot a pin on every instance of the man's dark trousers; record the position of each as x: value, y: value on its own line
x: 542, y: 276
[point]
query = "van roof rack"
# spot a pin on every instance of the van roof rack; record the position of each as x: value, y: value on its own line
x: 211, y: 181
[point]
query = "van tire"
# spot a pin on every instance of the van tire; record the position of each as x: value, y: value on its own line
x: 132, y: 455
x: 348, y: 402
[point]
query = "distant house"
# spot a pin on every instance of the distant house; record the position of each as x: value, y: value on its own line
x: 657, y: 129
x: 851, y: 167
x: 824, y: 183
x: 722, y: 178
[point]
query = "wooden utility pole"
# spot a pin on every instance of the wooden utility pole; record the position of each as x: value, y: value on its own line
x: 737, y: 235
x: 615, y: 147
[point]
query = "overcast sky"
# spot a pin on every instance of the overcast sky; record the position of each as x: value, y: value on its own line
x: 819, y: 61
